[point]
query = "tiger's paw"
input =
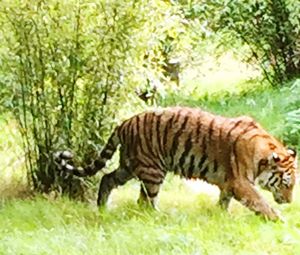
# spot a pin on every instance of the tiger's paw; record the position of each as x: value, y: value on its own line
x: 279, y: 217
x: 274, y: 216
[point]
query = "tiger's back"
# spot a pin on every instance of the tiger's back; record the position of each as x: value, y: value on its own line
x: 231, y: 153
x: 186, y: 141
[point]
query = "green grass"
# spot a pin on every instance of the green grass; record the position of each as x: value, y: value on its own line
x: 188, y: 223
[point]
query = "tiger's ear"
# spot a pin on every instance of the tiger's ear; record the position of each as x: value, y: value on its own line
x: 291, y: 152
x: 274, y: 158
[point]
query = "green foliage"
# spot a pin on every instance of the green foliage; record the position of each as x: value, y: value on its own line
x: 292, y: 118
x: 70, y: 75
x: 293, y: 127
x: 270, y: 29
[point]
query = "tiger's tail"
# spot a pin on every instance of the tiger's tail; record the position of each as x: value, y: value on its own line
x: 64, y: 158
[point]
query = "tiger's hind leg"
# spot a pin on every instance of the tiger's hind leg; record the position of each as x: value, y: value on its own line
x: 149, y: 194
x: 110, y: 181
x: 151, y: 179
x: 224, y: 199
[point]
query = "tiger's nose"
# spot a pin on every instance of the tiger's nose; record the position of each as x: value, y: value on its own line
x: 280, y: 201
x: 283, y: 200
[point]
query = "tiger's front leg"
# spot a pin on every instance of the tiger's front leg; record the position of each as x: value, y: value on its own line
x: 225, y: 198
x: 246, y: 193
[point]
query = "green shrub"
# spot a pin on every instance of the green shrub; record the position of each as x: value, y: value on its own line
x: 70, y: 68
x: 292, y: 117
x: 270, y: 29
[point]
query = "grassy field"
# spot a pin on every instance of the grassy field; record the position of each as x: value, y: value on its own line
x: 189, y: 221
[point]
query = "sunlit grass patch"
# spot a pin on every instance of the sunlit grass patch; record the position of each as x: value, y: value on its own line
x: 13, y: 179
x: 213, y: 75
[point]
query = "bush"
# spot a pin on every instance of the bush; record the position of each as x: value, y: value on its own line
x: 270, y: 29
x: 71, y: 73
x: 292, y: 118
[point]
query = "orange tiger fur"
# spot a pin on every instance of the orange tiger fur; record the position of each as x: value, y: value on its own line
x: 232, y: 153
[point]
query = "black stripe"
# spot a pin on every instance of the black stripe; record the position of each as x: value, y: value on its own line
x: 176, y: 139
x: 157, y: 148
x: 258, y: 135
x: 276, y: 178
x: 271, y: 177
x: 235, y: 158
x: 146, y: 125
x: 247, y: 129
x: 204, y: 156
x: 203, y: 173
x: 110, y: 144
x: 199, y: 125
x: 191, y: 167
x: 105, y: 154
x: 140, y: 144
x: 152, y: 164
x: 187, y: 149
x: 126, y: 131
x: 234, y: 151
x: 152, y: 182
x: 221, y: 132
x: 121, y: 131
x: 210, y: 129
x: 158, y: 136
x: 220, y: 143
x: 234, y: 127
x: 137, y: 140
x: 153, y: 174
x: 203, y: 159
x: 261, y: 163
x: 99, y: 163
x: 132, y: 136
x: 215, y: 166
x: 150, y: 126
x: 155, y: 178
x: 165, y: 133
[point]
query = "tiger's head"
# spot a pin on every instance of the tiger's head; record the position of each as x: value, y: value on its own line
x: 278, y: 175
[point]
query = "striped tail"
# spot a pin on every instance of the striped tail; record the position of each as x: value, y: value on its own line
x: 106, y: 154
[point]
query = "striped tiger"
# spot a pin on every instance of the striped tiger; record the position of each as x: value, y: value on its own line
x: 232, y: 153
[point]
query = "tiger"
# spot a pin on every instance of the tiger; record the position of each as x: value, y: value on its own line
x: 235, y: 154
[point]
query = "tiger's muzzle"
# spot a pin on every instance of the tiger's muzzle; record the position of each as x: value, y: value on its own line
x: 280, y: 199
